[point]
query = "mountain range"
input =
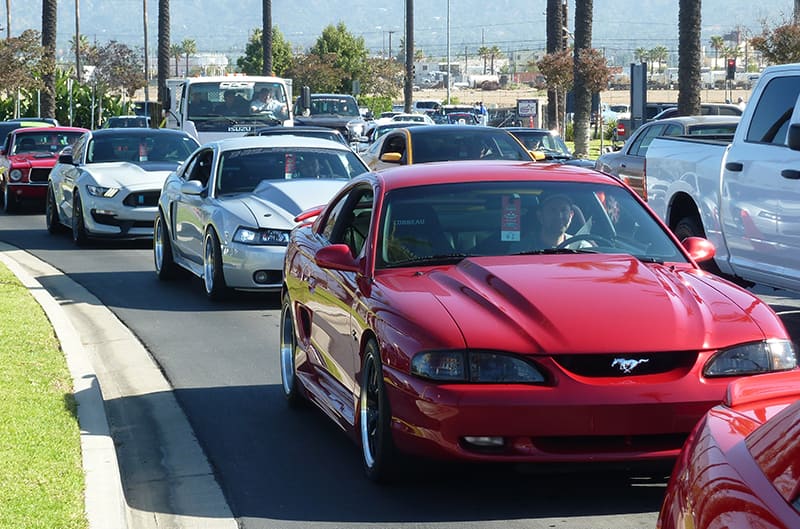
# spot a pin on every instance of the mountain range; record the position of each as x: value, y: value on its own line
x: 224, y: 26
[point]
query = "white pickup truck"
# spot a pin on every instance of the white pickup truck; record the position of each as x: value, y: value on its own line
x: 743, y: 196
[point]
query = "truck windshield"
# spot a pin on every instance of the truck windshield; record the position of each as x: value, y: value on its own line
x: 337, y: 106
x: 236, y: 105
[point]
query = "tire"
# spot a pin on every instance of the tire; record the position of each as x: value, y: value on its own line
x: 289, y: 382
x: 9, y: 202
x: 79, y: 234
x: 691, y: 227
x: 378, y: 453
x: 213, y: 278
x: 162, y: 250
x: 51, y: 218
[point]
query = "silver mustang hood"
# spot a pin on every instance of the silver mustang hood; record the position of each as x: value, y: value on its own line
x: 275, y: 204
x: 130, y: 175
x: 586, y: 304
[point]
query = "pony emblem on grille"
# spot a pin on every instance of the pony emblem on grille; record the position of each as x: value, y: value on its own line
x: 627, y: 365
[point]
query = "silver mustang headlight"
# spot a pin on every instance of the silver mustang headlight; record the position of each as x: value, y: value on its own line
x: 475, y: 366
x: 266, y: 236
x: 15, y: 175
x: 100, y: 191
x: 752, y: 358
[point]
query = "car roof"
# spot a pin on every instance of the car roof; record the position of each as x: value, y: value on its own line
x: 136, y: 131
x: 515, y: 130
x: 438, y: 130
x: 486, y: 170
x: 698, y: 120
x: 279, y: 141
x: 26, y: 130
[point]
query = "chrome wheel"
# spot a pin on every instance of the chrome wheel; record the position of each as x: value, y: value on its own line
x: 79, y: 235
x: 379, y: 456
x: 213, y: 278
x: 162, y: 250
x: 287, y: 352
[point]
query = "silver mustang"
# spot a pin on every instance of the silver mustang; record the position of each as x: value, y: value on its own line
x: 226, y: 214
x: 108, y: 184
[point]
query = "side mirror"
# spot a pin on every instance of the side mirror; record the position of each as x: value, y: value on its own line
x: 336, y: 257
x: 192, y: 187
x: 66, y: 158
x: 538, y: 155
x: 793, y: 138
x: 391, y: 157
x: 699, y: 249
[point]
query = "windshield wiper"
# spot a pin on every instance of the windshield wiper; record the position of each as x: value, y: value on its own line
x: 556, y: 251
x: 647, y: 259
x: 448, y: 258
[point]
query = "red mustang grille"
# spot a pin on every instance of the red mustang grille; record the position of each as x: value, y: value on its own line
x: 626, y: 365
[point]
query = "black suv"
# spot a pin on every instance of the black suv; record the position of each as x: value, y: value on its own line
x: 333, y: 111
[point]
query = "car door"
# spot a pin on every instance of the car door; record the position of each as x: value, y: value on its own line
x: 188, y: 218
x: 760, y: 207
x: 65, y: 181
x: 334, y: 299
x: 631, y: 163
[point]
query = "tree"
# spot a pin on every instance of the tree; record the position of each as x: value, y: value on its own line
x: 557, y: 70
x: 119, y: 68
x: 382, y: 77
x: 20, y: 61
x: 582, y: 84
x: 717, y: 43
x: 483, y: 53
x: 641, y: 54
x: 176, y: 52
x: 189, y: 47
x: 555, y: 38
x: 659, y: 55
x: 319, y: 73
x: 251, y: 62
x: 266, y: 38
x: 49, y: 18
x: 164, y: 52
x: 780, y: 45
x: 494, y: 53
x: 689, y: 50
x: 349, y: 53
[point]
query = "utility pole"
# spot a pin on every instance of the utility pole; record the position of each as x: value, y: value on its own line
x: 408, y: 88
x: 146, y: 58
x: 78, y: 40
x: 448, y: 52
x: 390, y: 43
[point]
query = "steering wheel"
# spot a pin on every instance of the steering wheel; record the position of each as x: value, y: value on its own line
x: 585, y: 237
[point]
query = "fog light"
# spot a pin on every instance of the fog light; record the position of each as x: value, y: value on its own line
x: 261, y: 277
x: 484, y: 441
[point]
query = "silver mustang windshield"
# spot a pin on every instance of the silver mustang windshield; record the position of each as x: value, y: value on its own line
x: 241, y: 171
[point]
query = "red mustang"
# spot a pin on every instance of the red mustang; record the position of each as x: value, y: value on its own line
x: 741, y: 465
x: 26, y: 158
x: 511, y: 311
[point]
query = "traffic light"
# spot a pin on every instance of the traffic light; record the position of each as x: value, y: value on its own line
x: 731, y: 71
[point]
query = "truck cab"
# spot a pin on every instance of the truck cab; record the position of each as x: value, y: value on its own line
x: 213, y: 108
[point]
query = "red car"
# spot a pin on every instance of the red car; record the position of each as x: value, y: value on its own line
x: 741, y: 465
x: 511, y: 312
x: 26, y: 158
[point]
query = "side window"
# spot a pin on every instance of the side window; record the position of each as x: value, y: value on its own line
x: 350, y: 219
x: 771, y: 117
x: 672, y: 130
x: 201, y: 167
x: 395, y: 143
x: 78, y: 148
x: 639, y: 147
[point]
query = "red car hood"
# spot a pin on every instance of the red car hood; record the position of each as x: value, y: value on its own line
x: 586, y: 304
x: 33, y: 160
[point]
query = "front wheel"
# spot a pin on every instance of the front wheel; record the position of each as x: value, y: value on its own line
x: 378, y: 452
x: 287, y: 351
x: 79, y: 234
x: 162, y: 250
x: 213, y: 278
x: 9, y: 201
x: 51, y: 218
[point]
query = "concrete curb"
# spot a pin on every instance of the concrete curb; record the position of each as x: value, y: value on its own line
x: 121, y: 391
x: 105, y: 503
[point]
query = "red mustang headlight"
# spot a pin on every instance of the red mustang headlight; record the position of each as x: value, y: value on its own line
x: 475, y: 366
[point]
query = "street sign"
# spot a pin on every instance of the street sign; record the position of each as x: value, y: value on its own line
x: 527, y: 107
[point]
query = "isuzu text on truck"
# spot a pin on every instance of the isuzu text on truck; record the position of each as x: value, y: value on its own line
x: 212, y: 108
x: 743, y: 196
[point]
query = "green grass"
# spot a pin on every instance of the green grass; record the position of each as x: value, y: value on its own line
x: 41, y: 478
x: 594, y: 147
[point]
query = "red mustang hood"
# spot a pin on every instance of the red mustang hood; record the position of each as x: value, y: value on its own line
x: 590, y: 303
x: 32, y: 160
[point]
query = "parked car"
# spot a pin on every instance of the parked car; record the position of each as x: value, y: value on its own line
x: 107, y: 185
x: 382, y: 128
x: 335, y: 111
x: 127, y: 122
x: 461, y: 118
x: 14, y: 124
x: 739, y: 467
x: 628, y: 164
x: 549, y: 143
x: 706, y: 109
x: 434, y: 143
x: 419, y: 314
x: 26, y: 157
x: 225, y: 216
x: 418, y: 118
x: 307, y: 131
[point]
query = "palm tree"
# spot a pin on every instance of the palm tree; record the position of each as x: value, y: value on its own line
x: 659, y: 54
x: 583, y: 95
x: 49, y: 18
x: 555, y: 38
x: 8, y: 19
x: 717, y: 43
x: 163, y: 49
x: 483, y: 53
x: 689, y: 50
x: 189, y: 47
x: 494, y: 53
x: 176, y: 51
x: 266, y: 36
x: 641, y: 54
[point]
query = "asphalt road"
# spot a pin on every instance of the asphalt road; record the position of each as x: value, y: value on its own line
x: 279, y: 468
